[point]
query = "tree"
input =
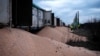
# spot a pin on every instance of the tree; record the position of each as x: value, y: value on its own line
x: 75, y: 24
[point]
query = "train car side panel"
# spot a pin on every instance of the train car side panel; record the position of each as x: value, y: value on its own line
x: 4, y: 11
x: 41, y: 18
x: 34, y: 17
x: 48, y: 17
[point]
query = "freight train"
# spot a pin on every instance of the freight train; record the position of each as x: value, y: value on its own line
x: 26, y: 15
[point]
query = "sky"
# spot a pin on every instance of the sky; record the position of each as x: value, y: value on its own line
x: 66, y: 9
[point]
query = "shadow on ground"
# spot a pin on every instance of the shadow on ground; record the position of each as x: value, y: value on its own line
x: 91, y: 33
x: 88, y: 45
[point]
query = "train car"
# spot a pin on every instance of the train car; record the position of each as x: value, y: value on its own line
x: 16, y: 12
x: 55, y: 21
x: 22, y: 13
x: 5, y: 12
x: 64, y: 24
x: 52, y: 19
x: 37, y: 17
x: 47, y: 18
x: 41, y: 18
x: 34, y: 17
x: 55, y: 24
x: 58, y: 22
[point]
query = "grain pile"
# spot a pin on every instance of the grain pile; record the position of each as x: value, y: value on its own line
x: 62, y: 34
x: 16, y: 43
x: 51, y: 33
x: 70, y: 36
x: 65, y: 32
x: 21, y: 43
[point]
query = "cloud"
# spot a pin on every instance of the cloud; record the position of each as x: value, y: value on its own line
x: 66, y: 9
x: 52, y: 4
